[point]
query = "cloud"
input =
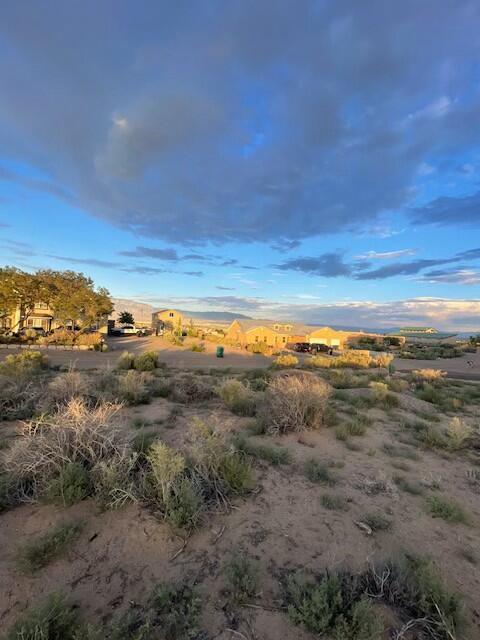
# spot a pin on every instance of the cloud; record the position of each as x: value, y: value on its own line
x: 283, y: 245
x: 227, y: 122
x: 400, y: 269
x: 386, y: 255
x: 452, y: 276
x: 442, y: 313
x: 220, y: 288
x: 197, y: 274
x: 449, y: 211
x: 4, y: 225
x: 146, y: 252
x: 94, y: 262
x: 329, y: 265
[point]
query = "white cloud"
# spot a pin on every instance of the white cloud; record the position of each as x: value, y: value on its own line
x: 386, y: 255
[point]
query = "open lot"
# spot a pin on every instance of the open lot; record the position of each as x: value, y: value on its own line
x: 382, y: 474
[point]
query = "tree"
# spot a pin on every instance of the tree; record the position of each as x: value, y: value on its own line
x: 126, y: 317
x: 71, y: 296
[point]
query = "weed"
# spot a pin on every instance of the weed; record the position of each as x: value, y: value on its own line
x: 242, y: 574
x: 236, y: 473
x: 37, y: 554
x: 133, y: 388
x: 272, y: 454
x: 448, y: 510
x: 125, y: 360
x: 54, y: 619
x: 238, y: 397
x: 25, y: 362
x: 146, y: 361
x: 175, y: 610
x: 397, y: 451
x: 199, y: 347
x: 294, y: 403
x: 286, y: 360
x: 189, y: 388
x: 142, y: 441
x: 377, y: 522
x: 458, y: 434
x: 334, y: 503
x: 184, y: 504
x: 414, y: 488
x: 319, y: 473
x: 166, y: 465
x: 399, y: 464
x: 342, y: 433
x: 70, y: 486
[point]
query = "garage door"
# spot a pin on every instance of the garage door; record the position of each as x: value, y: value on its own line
x: 335, y: 342
x: 318, y: 340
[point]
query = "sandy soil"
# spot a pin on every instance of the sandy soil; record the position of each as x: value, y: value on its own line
x: 178, y: 357
x: 466, y: 367
x: 121, y: 554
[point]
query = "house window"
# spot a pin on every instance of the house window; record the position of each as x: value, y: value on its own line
x: 171, y: 314
x: 40, y: 305
x: 265, y: 338
x: 284, y: 339
x: 256, y: 338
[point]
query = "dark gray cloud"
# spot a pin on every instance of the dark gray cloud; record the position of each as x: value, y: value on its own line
x: 93, y: 262
x: 458, y: 275
x: 197, y: 274
x: 450, y: 211
x: 147, y: 252
x: 283, y: 245
x: 238, y: 120
x: 329, y: 265
x: 399, y: 269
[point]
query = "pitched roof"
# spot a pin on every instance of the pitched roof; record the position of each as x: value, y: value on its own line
x: 296, y: 329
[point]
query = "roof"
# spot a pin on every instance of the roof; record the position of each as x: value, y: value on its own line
x: 162, y: 310
x: 297, y: 329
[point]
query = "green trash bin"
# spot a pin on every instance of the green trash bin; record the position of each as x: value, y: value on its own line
x: 220, y: 352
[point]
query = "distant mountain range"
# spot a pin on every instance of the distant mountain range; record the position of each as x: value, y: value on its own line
x: 142, y: 312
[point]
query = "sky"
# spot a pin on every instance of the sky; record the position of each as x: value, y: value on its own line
x: 309, y: 160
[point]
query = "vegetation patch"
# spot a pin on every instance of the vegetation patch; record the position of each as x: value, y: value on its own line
x: 238, y: 397
x: 334, y: 502
x: 47, y: 547
x: 320, y: 473
x: 448, y: 510
x: 242, y: 577
x: 273, y: 454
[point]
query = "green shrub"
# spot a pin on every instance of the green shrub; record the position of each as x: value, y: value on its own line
x: 70, y: 486
x: 286, y: 360
x: 176, y: 610
x: 184, y: 504
x: 54, y: 619
x: 294, y: 403
x: 397, y: 451
x: 377, y: 522
x: 198, y: 347
x: 272, y: 454
x: 133, y: 388
x: 446, y: 509
x: 334, y: 503
x: 241, y: 574
x: 414, y: 488
x: 238, y: 397
x: 24, y: 362
x: 143, y: 440
x: 146, y: 361
x: 259, y: 347
x: 189, y: 388
x: 37, y: 554
x: 166, y: 466
x: 236, y: 473
x: 126, y: 360
x: 319, y: 473
x: 332, y: 606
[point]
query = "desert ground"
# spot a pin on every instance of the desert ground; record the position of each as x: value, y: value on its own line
x: 392, y: 468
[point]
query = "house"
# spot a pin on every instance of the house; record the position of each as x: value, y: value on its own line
x: 279, y: 334
x: 417, y: 330
x: 41, y: 316
x: 272, y: 333
x: 167, y: 318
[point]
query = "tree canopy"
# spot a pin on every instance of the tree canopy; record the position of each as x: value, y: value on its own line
x: 71, y: 296
x: 126, y: 317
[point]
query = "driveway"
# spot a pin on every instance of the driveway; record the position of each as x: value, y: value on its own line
x: 177, y: 357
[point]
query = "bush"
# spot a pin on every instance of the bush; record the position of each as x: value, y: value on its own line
x: 176, y: 611
x: 76, y: 434
x: 52, y: 620
x: 24, y: 362
x: 286, y: 360
x: 334, y: 503
x: 272, y: 454
x: 94, y: 341
x: 356, y: 359
x: 19, y: 396
x: 428, y: 375
x: 385, y: 360
x: 332, y: 605
x: 259, y: 347
x: 133, y: 388
x: 294, y: 403
x: 319, y: 473
x: 322, y: 362
x: 238, y: 397
x: 126, y: 360
x: 70, y: 486
x: 458, y: 433
x: 377, y: 522
x: 241, y: 575
x: 66, y: 386
x: 184, y: 504
x: 446, y: 509
x: 166, y: 465
x: 146, y: 361
x: 189, y: 388
x: 37, y: 554
x: 414, y: 488
x: 198, y: 347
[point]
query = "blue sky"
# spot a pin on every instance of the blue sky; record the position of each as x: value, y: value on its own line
x: 310, y: 160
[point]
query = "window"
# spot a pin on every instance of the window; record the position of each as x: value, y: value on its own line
x: 171, y: 314
x: 40, y: 305
x: 265, y: 338
x: 284, y: 339
x: 256, y: 338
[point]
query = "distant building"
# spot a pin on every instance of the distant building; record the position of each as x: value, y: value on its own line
x: 167, y: 318
x: 417, y: 330
x: 277, y: 334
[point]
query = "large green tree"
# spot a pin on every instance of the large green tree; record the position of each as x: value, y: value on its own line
x: 71, y: 296
x: 125, y: 317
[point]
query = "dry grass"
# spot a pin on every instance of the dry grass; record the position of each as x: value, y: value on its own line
x: 294, y: 403
x: 77, y: 434
x: 286, y: 360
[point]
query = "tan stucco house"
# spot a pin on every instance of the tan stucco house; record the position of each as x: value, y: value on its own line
x: 41, y: 316
x: 168, y: 318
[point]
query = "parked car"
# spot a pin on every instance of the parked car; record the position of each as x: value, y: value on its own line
x: 128, y: 330
x: 320, y: 348
x: 144, y: 331
x: 301, y: 347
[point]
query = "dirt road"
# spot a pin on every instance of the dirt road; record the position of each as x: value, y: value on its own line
x: 467, y: 367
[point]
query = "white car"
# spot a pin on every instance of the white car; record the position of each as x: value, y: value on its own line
x: 128, y: 330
